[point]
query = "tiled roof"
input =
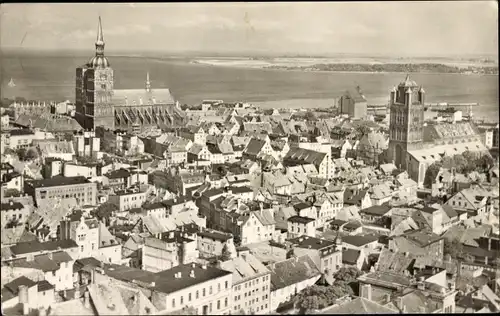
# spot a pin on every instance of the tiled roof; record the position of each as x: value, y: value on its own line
x: 397, y: 262
x: 378, y: 210
x: 300, y: 219
x: 245, y: 266
x: 165, y: 281
x: 360, y: 306
x: 311, y: 242
x: 359, y: 240
x: 254, y: 146
x: 350, y: 256
x: 31, y: 247
x: 43, y: 262
x: 301, y: 156
x: 292, y: 271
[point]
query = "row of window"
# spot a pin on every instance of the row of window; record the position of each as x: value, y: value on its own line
x: 252, y: 282
x: 210, y: 305
x: 204, y: 293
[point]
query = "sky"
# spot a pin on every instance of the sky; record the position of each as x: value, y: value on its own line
x: 369, y: 28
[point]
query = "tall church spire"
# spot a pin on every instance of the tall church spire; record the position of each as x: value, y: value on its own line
x: 148, y: 83
x: 99, y: 44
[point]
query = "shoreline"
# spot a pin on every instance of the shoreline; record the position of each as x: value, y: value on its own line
x: 192, y: 62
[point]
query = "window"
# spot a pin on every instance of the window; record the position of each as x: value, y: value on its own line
x: 182, y: 300
x: 210, y: 309
x: 218, y: 287
x: 204, y: 292
x: 189, y: 297
x: 225, y: 302
x: 210, y: 290
x: 197, y: 294
x: 218, y: 304
x: 227, y: 284
x: 173, y: 302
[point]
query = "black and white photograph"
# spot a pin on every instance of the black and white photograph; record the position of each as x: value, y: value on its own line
x: 249, y: 158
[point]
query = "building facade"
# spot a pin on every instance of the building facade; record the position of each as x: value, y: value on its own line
x: 84, y: 191
x: 406, y: 120
x: 99, y: 104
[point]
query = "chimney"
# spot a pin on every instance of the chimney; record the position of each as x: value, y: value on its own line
x: 366, y: 291
x: 400, y: 304
x: 489, y: 243
x: 24, y: 299
x: 387, y: 298
x: 86, y: 301
x: 192, y: 274
x: 77, y: 292
x: 261, y: 207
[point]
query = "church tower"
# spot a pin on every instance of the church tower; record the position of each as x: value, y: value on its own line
x: 406, y: 120
x: 94, y: 89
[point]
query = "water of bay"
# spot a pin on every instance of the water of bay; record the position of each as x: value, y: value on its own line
x: 52, y: 77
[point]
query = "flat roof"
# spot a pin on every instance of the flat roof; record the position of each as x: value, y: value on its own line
x: 59, y: 181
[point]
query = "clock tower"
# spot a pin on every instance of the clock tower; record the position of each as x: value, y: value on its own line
x: 406, y: 121
x: 94, y: 89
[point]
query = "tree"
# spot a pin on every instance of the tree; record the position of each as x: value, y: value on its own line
x: 105, y: 211
x: 226, y: 254
x: 469, y: 155
x: 31, y: 154
x: 21, y: 153
x: 319, y: 297
x: 453, y: 247
x: 460, y: 163
x: 347, y: 274
x: 486, y: 162
x: 431, y: 174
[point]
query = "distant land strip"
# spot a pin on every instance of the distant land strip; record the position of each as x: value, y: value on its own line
x: 404, y: 68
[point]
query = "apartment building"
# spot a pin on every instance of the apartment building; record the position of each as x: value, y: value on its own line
x: 326, y: 254
x: 169, y: 250
x: 14, y: 212
x: 251, y: 285
x: 206, y: 289
x: 84, y: 191
x: 299, y: 226
x: 127, y: 199
x: 212, y: 242
x: 92, y: 237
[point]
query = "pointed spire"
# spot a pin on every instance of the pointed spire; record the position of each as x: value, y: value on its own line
x: 100, y: 37
x: 99, y: 44
x: 148, y: 83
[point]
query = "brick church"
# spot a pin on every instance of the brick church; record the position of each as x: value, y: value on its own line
x: 415, y: 145
x: 99, y: 104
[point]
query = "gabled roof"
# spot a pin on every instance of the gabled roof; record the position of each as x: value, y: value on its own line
x: 254, y: 147
x: 292, y: 271
x: 360, y: 305
x: 350, y: 256
x: 376, y: 210
x: 359, y: 240
x: 244, y: 267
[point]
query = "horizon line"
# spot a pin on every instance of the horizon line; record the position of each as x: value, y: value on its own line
x: 110, y: 52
